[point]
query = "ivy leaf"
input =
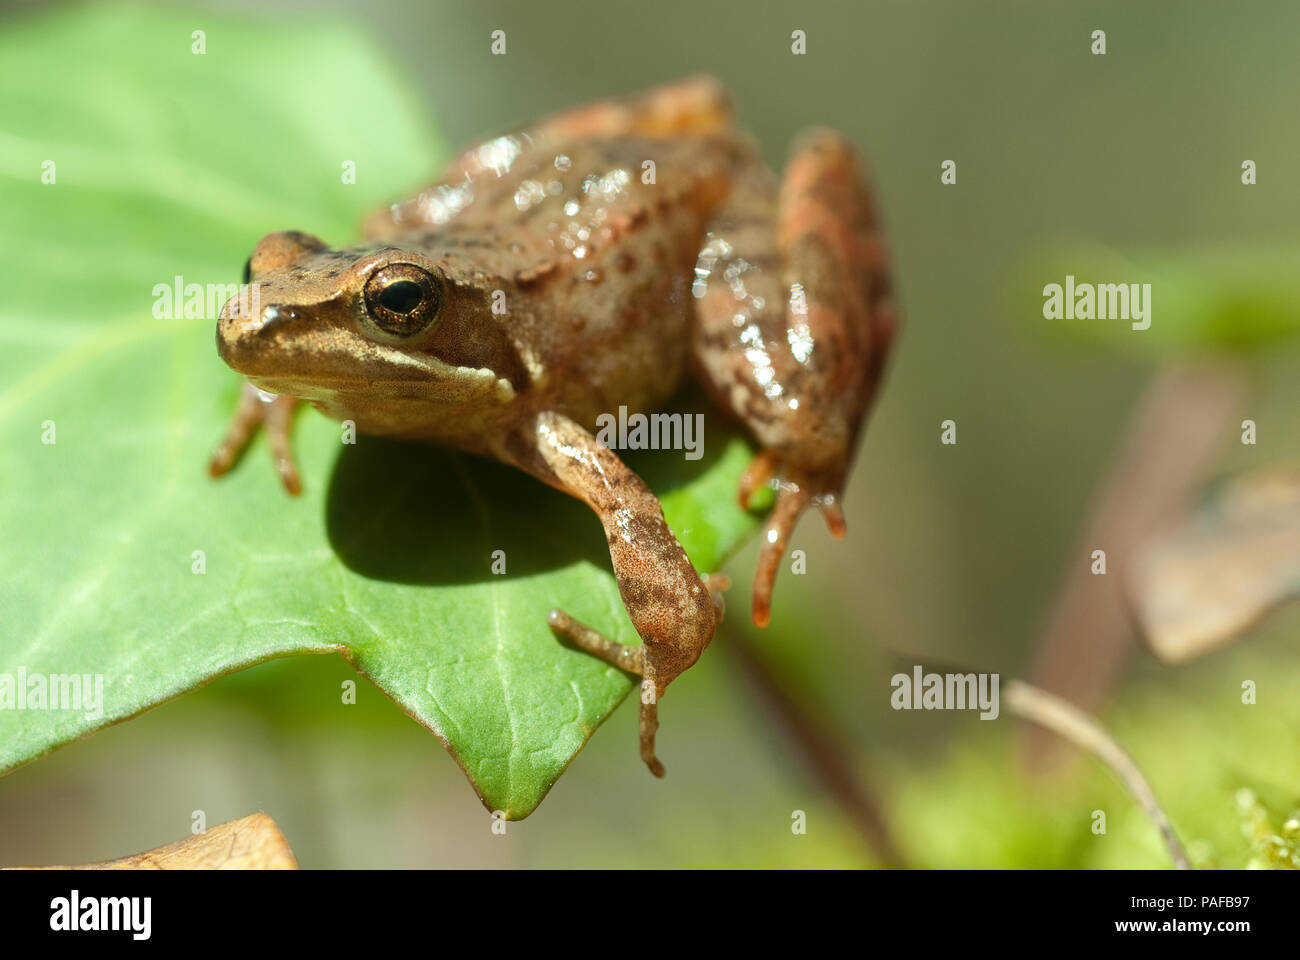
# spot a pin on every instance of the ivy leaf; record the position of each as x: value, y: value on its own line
x: 130, y: 159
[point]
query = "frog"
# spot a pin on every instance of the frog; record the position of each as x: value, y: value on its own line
x: 599, y: 258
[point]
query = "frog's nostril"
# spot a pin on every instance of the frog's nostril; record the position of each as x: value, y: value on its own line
x: 237, y: 321
x: 242, y: 312
x: 271, y: 315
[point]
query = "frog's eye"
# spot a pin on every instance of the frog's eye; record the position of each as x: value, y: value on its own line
x: 402, y: 300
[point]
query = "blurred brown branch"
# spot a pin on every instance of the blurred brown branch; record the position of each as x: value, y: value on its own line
x: 824, y: 756
x: 1179, y: 425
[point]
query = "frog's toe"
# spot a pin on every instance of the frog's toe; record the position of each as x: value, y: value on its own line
x: 248, y: 416
x: 648, y: 726
x: 795, y: 492
x: 757, y: 475
x: 288, y: 471
x: 279, y: 433
x: 833, y: 513
x: 223, y: 458
x: 624, y: 657
x: 275, y: 414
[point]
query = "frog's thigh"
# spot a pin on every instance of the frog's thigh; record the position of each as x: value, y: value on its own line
x: 792, y: 324
x: 792, y: 315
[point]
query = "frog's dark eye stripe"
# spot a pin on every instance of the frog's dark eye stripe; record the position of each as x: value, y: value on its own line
x: 248, y: 270
x: 402, y: 300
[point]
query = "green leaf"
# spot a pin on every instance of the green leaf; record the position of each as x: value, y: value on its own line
x: 173, y: 163
x: 1233, y: 297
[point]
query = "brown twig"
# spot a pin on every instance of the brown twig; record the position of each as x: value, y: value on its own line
x: 824, y: 756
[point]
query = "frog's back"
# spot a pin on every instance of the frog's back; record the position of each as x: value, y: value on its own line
x: 591, y: 243
x: 528, y: 209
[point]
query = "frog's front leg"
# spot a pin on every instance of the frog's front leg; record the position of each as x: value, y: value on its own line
x: 793, y: 322
x: 258, y: 408
x: 667, y: 602
x: 624, y: 657
x: 632, y: 660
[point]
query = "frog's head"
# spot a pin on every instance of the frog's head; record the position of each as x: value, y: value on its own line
x: 365, y: 327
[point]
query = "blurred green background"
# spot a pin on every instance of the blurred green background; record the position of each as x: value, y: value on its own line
x: 953, y: 554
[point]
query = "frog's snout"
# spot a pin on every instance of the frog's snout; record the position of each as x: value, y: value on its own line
x: 236, y: 326
x: 247, y: 328
x: 289, y: 294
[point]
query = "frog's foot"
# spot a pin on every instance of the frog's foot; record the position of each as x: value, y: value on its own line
x: 796, y: 490
x: 629, y: 658
x: 258, y: 408
x: 632, y: 659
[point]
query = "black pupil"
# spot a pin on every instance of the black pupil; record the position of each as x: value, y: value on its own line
x: 403, y: 296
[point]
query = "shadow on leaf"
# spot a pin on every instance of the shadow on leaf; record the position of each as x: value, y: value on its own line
x: 420, y: 514
x: 412, y: 513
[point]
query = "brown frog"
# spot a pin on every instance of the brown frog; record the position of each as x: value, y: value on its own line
x: 590, y: 262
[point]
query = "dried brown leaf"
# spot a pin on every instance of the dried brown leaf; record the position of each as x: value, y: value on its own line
x: 1215, y: 575
x: 251, y: 843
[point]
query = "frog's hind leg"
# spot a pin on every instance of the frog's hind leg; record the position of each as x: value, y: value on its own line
x: 793, y: 322
x: 255, y: 409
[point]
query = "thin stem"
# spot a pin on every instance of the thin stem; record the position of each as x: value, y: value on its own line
x: 1084, y: 731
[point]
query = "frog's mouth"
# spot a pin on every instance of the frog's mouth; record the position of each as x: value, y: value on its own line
x: 317, y: 362
x: 445, y: 384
